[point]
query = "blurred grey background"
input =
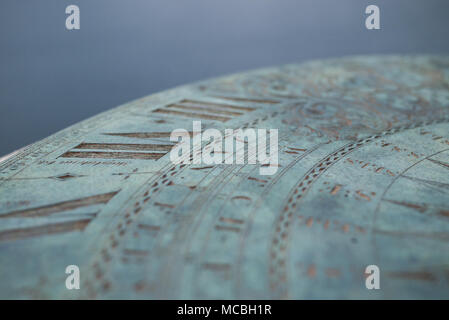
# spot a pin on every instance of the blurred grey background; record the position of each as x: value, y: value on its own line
x: 51, y: 78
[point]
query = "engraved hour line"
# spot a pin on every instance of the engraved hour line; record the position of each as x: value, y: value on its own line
x: 440, y: 163
x: 192, y: 115
x: 143, y: 135
x: 79, y: 151
x: 279, y: 280
x: 123, y: 146
x: 155, y: 187
x: 204, y: 110
x: 248, y: 100
x: 402, y: 174
x: 63, y: 227
x: 61, y: 206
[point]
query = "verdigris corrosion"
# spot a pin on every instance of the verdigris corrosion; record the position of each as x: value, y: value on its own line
x: 363, y: 179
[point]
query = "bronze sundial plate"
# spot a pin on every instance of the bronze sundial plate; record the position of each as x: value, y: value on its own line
x: 363, y: 179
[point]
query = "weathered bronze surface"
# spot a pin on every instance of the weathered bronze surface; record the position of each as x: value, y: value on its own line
x: 363, y: 179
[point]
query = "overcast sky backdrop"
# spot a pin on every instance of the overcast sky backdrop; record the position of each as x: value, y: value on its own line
x: 51, y: 78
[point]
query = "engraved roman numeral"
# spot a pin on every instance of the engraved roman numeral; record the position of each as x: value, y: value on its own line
x: 125, y: 146
x: 418, y: 207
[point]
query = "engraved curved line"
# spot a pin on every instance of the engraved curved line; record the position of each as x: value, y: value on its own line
x: 281, y: 234
x: 440, y: 163
x: 430, y: 183
x: 291, y: 164
x: 202, y: 202
x: 260, y: 199
x: 442, y: 236
x: 229, y: 195
x: 213, y: 188
x: 117, y: 233
x: 220, y: 105
x: 130, y: 206
x: 192, y: 115
x: 394, y: 180
x: 277, y: 257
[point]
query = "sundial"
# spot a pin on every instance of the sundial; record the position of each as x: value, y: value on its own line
x: 362, y: 179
